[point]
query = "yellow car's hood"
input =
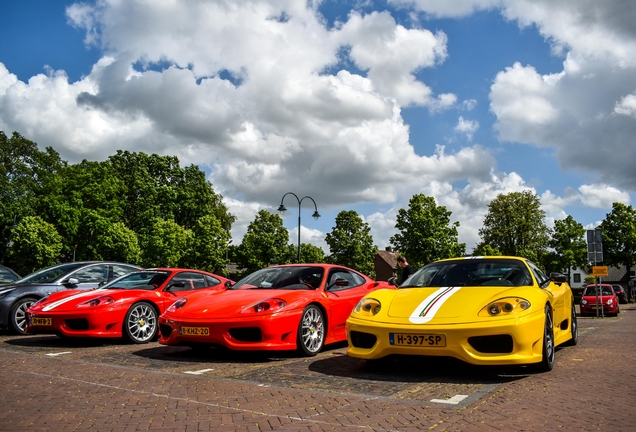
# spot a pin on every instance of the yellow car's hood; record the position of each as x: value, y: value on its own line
x: 423, y: 304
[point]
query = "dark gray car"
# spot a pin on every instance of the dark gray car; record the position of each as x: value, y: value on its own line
x: 16, y: 297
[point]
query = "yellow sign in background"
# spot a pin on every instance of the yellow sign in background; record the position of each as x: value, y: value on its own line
x: 599, y: 270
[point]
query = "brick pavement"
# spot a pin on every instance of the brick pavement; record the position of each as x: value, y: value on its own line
x: 590, y: 388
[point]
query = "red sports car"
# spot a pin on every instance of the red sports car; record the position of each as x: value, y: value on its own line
x: 285, y: 307
x: 607, y: 300
x: 128, y: 306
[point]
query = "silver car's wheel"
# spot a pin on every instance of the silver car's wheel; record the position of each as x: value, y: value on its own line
x: 140, y: 324
x: 311, y: 331
x: 18, y: 314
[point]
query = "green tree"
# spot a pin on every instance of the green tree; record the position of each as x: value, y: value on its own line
x: 265, y: 243
x: 351, y: 243
x: 485, y: 250
x: 426, y: 233
x: 35, y: 244
x: 27, y: 175
x: 166, y: 244
x: 619, y: 236
x: 310, y: 253
x: 568, y: 242
x: 208, y: 249
x: 515, y: 225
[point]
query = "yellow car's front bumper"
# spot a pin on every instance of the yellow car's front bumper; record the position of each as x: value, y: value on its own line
x: 488, y: 342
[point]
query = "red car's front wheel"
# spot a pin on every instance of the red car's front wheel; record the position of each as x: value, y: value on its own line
x: 311, y: 331
x: 140, y: 324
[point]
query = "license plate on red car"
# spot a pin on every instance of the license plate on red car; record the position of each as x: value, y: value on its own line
x: 427, y: 340
x: 195, y: 331
x: 41, y: 321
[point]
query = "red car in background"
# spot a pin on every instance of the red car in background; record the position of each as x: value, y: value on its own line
x: 128, y: 306
x: 599, y: 296
x: 287, y: 307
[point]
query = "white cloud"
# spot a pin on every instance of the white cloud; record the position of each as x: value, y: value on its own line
x: 467, y: 127
x: 602, y: 196
x: 626, y: 106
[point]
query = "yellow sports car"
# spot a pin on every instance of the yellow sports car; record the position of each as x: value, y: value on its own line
x: 482, y: 310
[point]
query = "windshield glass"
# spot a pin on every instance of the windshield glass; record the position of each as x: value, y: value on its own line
x: 49, y: 274
x: 591, y: 291
x: 283, y: 278
x: 144, y: 280
x: 471, y: 272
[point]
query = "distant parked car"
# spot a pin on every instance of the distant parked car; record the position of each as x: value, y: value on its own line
x: 620, y: 293
x: 7, y: 275
x: 16, y: 297
x: 599, y: 296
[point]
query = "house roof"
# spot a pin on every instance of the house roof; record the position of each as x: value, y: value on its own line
x: 389, y: 257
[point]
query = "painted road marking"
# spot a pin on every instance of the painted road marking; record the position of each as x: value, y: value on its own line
x: 60, y: 353
x: 199, y: 372
x: 453, y: 401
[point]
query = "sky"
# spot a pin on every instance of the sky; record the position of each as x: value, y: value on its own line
x: 357, y: 105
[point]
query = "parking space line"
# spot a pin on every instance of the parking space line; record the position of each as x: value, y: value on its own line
x: 57, y: 354
x: 199, y: 372
x: 453, y: 401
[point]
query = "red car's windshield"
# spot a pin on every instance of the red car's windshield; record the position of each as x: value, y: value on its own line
x: 147, y: 280
x: 283, y: 278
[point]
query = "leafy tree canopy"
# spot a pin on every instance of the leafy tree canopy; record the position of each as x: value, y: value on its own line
x: 568, y: 242
x: 515, y: 225
x: 351, y: 243
x: 35, y: 244
x: 426, y: 233
x: 265, y: 243
x: 619, y: 236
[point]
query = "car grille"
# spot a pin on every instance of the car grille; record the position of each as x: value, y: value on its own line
x: 77, y: 324
x: 247, y: 334
x: 500, y: 344
x: 165, y: 330
x: 362, y: 340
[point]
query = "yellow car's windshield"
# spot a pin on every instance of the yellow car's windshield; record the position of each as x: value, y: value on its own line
x: 471, y: 272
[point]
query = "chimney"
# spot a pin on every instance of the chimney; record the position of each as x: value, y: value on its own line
x: 389, y: 249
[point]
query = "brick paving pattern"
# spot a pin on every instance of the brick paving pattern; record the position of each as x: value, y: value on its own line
x: 51, y: 384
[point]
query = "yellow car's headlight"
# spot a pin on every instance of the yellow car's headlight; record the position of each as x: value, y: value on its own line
x: 368, y: 307
x: 505, y: 306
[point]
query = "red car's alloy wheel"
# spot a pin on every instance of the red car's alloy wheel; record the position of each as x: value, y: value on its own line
x: 311, y: 331
x: 140, y: 325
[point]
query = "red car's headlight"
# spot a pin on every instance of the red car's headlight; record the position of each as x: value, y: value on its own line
x: 177, y: 305
x: 269, y: 305
x: 99, y: 301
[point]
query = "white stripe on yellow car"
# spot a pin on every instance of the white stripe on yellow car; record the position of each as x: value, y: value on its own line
x: 426, y: 310
x: 68, y: 299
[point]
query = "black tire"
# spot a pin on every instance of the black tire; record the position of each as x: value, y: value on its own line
x: 311, y: 331
x: 17, y: 316
x: 547, y: 362
x: 574, y: 328
x: 141, y: 324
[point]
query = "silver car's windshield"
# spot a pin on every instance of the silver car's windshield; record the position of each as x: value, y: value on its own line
x: 471, y: 272
x: 283, y: 278
x: 49, y: 274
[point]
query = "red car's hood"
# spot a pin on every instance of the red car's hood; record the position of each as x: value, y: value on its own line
x: 592, y: 299
x: 224, y: 304
x: 65, y: 300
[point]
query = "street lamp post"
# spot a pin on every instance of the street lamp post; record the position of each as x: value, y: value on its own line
x: 282, y: 209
